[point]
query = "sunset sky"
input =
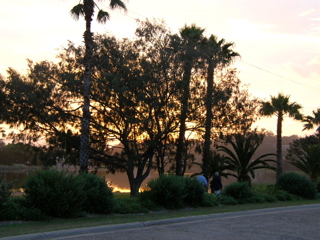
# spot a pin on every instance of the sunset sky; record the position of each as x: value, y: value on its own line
x: 279, y: 41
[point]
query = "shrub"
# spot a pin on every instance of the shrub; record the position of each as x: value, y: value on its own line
x: 129, y: 206
x: 194, y: 192
x: 16, y: 209
x: 99, y: 197
x: 297, y: 184
x: 238, y: 190
x: 147, y: 202
x: 5, y: 191
x: 210, y: 200
x: 227, y: 200
x: 318, y: 186
x: 55, y: 193
x: 168, y: 191
x: 282, y: 195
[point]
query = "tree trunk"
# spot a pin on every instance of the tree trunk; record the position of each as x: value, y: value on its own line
x: 183, y: 117
x: 208, y: 121
x: 85, y: 125
x: 279, y: 144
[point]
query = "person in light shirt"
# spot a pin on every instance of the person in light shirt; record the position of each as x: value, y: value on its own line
x: 203, y: 181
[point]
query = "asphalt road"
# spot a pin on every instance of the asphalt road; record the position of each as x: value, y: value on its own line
x: 285, y: 223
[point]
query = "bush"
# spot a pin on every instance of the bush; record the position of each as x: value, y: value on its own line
x: 55, y: 193
x: 16, y: 209
x: 227, y: 200
x: 297, y: 185
x: 147, y: 202
x: 99, y: 197
x: 168, y: 191
x: 238, y: 190
x: 210, y: 200
x: 5, y: 191
x: 129, y: 206
x: 318, y: 186
x: 194, y: 192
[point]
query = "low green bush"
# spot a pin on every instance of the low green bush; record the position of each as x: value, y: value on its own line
x: 318, y: 186
x: 227, y: 200
x: 5, y: 190
x: 297, y: 184
x: 99, y: 197
x: 129, y: 206
x: 16, y: 209
x: 168, y: 191
x: 55, y: 193
x: 194, y: 192
x: 210, y: 200
x: 239, y: 191
x: 147, y: 202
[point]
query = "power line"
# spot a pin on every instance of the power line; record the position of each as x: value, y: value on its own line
x: 280, y: 76
x: 262, y: 69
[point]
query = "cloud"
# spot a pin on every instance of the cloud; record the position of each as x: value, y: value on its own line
x: 306, y: 13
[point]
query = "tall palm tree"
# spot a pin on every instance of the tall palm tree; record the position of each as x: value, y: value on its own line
x: 312, y: 120
x: 86, y: 9
x: 191, y: 38
x: 280, y: 106
x: 219, y: 54
x: 240, y: 160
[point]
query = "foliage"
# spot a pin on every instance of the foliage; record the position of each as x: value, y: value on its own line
x: 310, y: 121
x: 304, y: 153
x: 227, y: 200
x: 99, y: 197
x: 297, y: 184
x: 168, y: 191
x: 147, y: 202
x: 239, y: 159
x: 240, y: 191
x: 141, y: 109
x: 5, y: 190
x: 55, y: 193
x: 210, y: 200
x: 280, y: 106
x: 129, y: 206
x: 16, y: 208
x: 195, y: 192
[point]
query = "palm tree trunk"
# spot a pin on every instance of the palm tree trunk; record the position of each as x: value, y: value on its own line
x: 279, y: 144
x: 85, y: 127
x: 183, y: 117
x: 208, y: 122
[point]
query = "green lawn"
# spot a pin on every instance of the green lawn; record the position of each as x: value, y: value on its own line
x: 19, y: 228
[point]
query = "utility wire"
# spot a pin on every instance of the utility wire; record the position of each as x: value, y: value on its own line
x: 249, y: 64
x: 280, y: 76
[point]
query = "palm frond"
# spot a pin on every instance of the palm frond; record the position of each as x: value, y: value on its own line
x: 77, y: 11
x: 103, y: 16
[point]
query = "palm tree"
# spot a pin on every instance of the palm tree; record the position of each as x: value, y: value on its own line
x: 280, y: 106
x: 191, y: 38
x: 240, y: 159
x: 219, y: 54
x: 308, y: 161
x: 311, y: 121
x: 86, y: 8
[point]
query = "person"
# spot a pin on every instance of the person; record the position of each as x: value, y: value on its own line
x: 216, y: 184
x: 203, y: 181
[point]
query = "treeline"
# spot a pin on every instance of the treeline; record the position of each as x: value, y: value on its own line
x: 153, y: 98
x: 149, y: 99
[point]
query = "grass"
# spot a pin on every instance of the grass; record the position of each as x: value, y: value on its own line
x: 20, y: 228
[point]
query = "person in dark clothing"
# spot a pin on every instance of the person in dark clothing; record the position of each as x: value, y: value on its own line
x: 216, y: 185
